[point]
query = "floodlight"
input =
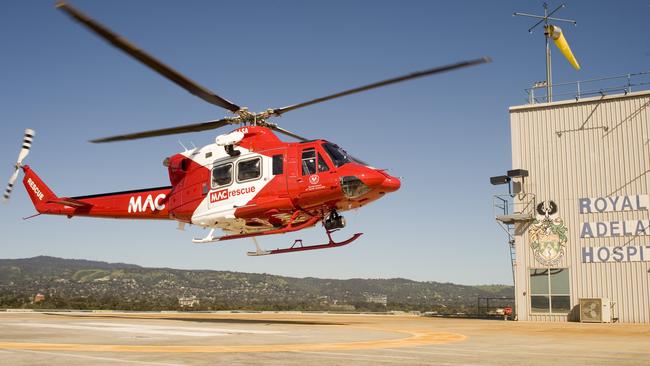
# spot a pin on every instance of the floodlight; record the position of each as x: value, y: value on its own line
x: 501, y: 179
x: 518, y: 173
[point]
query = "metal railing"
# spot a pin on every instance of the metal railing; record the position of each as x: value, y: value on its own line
x: 506, y: 204
x: 588, y: 88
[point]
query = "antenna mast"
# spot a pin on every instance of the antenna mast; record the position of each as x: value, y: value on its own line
x: 547, y: 36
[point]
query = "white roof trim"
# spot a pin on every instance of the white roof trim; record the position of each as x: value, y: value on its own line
x: 579, y: 101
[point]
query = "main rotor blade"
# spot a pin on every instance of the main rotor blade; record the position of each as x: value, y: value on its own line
x: 195, y: 127
x: 288, y: 133
x: 147, y: 59
x: 440, y: 69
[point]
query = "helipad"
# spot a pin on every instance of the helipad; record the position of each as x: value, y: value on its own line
x: 297, y: 338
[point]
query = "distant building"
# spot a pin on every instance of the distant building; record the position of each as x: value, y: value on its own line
x: 376, y: 299
x: 342, y: 307
x: 39, y: 297
x: 188, y: 302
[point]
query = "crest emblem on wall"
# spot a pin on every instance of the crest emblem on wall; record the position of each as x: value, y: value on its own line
x: 548, y: 236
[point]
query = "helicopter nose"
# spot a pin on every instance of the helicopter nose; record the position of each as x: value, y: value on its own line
x: 391, y: 184
x: 382, y: 181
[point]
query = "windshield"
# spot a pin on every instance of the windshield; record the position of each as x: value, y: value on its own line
x: 338, y: 155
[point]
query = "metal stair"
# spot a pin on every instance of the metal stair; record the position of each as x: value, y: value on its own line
x: 509, y: 211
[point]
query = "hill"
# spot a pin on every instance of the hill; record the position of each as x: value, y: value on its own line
x: 82, y: 284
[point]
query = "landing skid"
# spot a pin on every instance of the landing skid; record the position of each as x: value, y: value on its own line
x: 298, y: 246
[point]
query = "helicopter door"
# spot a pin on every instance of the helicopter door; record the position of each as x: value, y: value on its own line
x: 313, y: 178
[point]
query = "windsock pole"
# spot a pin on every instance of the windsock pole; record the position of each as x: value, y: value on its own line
x: 548, y: 35
x: 549, y: 71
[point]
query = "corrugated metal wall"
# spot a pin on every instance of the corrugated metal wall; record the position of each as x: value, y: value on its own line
x: 569, y: 155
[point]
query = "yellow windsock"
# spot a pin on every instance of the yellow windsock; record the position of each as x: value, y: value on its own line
x: 556, y: 34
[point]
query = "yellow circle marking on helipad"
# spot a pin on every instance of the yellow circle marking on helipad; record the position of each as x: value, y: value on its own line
x: 419, y: 338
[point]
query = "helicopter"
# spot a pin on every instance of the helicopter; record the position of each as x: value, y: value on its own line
x: 248, y: 183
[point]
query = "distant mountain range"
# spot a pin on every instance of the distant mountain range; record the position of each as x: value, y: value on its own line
x: 83, y: 284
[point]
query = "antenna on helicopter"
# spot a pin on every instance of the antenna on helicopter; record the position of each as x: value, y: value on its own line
x: 24, y: 151
x: 555, y: 33
x: 182, y: 145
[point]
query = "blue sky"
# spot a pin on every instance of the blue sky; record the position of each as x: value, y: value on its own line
x: 444, y: 135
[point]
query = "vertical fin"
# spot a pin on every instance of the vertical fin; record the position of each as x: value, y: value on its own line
x: 38, y: 191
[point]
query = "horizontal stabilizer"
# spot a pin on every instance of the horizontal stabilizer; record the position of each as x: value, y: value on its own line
x: 69, y: 202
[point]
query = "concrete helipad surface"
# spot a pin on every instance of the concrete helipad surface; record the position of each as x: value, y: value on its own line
x: 299, y: 339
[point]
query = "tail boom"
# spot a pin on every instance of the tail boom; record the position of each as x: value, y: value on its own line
x: 150, y: 203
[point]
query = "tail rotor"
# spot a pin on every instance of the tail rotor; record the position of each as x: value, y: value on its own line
x: 24, y: 151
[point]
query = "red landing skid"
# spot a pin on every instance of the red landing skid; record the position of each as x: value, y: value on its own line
x: 298, y: 246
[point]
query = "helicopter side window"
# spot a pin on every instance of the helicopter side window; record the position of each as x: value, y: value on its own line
x: 222, y: 175
x: 322, y: 165
x: 278, y: 162
x: 249, y: 169
x: 309, y: 161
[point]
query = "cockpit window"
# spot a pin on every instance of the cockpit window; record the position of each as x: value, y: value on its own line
x: 338, y: 155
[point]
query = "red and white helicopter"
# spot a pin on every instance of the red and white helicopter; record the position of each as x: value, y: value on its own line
x: 248, y: 183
